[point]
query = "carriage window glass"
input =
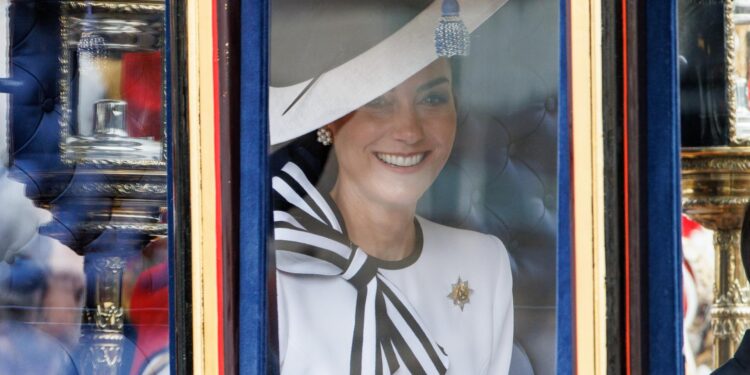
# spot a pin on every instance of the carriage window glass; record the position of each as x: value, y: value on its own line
x: 714, y: 37
x: 413, y: 162
x: 83, y: 188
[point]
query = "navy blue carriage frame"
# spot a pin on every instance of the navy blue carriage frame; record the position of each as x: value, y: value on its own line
x: 658, y: 195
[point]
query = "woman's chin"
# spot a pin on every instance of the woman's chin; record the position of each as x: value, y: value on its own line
x: 382, y: 186
x: 399, y: 193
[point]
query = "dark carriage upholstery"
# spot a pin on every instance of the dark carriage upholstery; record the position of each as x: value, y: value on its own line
x: 501, y: 178
x: 502, y: 175
x: 35, y: 94
x: 35, y: 108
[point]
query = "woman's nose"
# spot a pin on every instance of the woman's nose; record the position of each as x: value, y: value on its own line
x: 407, y: 125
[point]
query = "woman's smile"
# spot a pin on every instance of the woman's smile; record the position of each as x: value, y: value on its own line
x: 401, y: 160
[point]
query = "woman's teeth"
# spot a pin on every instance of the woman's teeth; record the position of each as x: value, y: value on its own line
x: 400, y: 161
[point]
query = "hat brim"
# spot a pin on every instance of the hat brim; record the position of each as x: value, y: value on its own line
x: 356, y: 82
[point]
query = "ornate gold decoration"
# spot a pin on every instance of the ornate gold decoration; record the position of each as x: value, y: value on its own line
x: 730, y: 50
x: 141, y: 6
x: 109, y: 313
x: 105, y: 342
x: 460, y: 293
x: 103, y: 353
x: 716, y: 185
x: 730, y: 313
x: 109, y: 316
x: 733, y: 163
x: 106, y: 356
x: 716, y: 194
x: 719, y: 201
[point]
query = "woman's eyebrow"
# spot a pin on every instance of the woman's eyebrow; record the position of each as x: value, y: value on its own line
x: 433, y: 83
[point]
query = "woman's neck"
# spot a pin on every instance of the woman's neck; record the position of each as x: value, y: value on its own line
x: 385, y: 232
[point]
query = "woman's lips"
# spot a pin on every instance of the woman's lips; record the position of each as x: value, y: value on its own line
x: 400, y: 160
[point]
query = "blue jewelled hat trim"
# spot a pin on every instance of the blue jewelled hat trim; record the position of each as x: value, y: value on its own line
x: 451, y: 34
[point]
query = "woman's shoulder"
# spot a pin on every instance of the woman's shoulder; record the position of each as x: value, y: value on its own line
x: 462, y: 242
x: 466, y: 252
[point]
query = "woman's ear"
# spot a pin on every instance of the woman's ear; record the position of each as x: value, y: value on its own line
x: 336, y: 125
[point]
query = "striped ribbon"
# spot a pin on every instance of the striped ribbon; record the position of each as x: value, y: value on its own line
x: 310, y: 240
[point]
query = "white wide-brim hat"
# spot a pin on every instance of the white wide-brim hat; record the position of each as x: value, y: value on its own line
x: 307, y: 94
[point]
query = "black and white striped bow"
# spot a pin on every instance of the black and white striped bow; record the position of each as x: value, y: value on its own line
x: 310, y: 240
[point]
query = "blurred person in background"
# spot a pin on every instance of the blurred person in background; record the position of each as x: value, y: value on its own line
x: 42, y: 288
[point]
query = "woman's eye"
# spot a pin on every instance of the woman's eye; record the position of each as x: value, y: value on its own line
x: 435, y: 99
x: 378, y: 102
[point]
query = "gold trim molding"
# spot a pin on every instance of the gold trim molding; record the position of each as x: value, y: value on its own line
x: 204, y: 261
x: 730, y: 51
x: 588, y: 188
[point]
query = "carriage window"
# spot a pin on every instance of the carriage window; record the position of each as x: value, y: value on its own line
x: 715, y: 126
x: 84, y: 275
x: 414, y: 173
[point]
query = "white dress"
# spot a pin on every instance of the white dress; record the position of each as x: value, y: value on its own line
x: 316, y: 314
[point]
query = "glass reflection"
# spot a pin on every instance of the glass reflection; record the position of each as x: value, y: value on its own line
x: 112, y: 84
x: 83, y: 246
x: 41, y: 289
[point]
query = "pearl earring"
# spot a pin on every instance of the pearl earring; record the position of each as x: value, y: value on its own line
x: 325, y: 136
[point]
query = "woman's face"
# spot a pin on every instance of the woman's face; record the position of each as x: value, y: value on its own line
x: 391, y: 150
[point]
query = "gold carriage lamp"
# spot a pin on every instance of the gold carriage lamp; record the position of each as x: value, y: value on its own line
x: 112, y: 134
x: 716, y: 193
x: 715, y: 124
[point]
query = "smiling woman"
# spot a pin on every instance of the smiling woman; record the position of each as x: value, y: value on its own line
x: 364, y: 284
x: 389, y: 152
